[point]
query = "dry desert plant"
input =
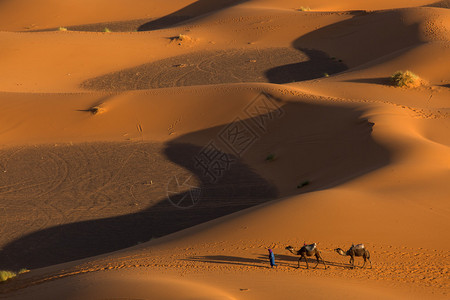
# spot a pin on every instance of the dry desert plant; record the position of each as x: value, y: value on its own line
x: 22, y: 271
x: 96, y: 110
x: 106, y: 29
x: 62, y: 29
x: 182, y: 38
x: 270, y: 157
x: 304, y: 8
x: 405, y: 79
x: 304, y: 183
x: 5, y: 275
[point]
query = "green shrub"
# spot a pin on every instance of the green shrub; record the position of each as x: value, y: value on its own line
x: 405, y: 79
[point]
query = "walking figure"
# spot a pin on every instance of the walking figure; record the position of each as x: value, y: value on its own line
x: 272, y: 258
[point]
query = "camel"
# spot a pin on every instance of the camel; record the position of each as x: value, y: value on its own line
x: 355, y: 250
x: 307, y: 250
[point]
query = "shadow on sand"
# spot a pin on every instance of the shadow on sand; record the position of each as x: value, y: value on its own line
x: 194, y: 10
x: 318, y: 65
x: 341, y: 148
x: 263, y: 261
x: 376, y: 80
x: 274, y: 65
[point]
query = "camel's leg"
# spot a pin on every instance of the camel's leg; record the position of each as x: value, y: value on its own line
x: 323, y: 261
x: 352, y: 262
x: 368, y: 257
x: 317, y: 259
x: 306, y: 260
x: 318, y: 256
x: 365, y: 258
x: 299, y: 262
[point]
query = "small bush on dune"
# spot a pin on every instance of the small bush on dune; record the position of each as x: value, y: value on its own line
x: 182, y: 37
x: 62, y: 29
x: 106, y: 30
x: 405, y: 79
x: 5, y: 275
x: 270, y: 157
x: 304, y: 183
x: 21, y: 271
x: 304, y: 8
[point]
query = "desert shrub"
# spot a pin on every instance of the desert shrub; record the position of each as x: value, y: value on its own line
x: 62, y: 29
x: 405, y: 79
x: 270, y: 157
x: 106, y: 30
x: 5, y: 275
x: 21, y: 271
x: 182, y: 37
x: 304, y: 8
x: 304, y: 183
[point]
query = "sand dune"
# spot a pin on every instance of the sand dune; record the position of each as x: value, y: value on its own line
x: 161, y: 158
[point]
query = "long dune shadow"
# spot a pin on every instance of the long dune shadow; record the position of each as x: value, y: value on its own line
x: 319, y: 64
x: 344, y: 35
x: 333, y: 141
x: 360, y: 35
x: 274, y: 65
x: 194, y: 10
x: 192, y: 199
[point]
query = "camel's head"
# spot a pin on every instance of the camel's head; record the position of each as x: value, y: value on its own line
x: 339, y: 251
x: 289, y: 248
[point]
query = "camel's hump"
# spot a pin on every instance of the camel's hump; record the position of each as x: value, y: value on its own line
x: 310, y: 247
x: 359, y: 246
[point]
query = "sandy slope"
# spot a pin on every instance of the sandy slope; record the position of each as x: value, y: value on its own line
x: 96, y: 129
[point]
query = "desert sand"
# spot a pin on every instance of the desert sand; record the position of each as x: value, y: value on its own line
x: 157, y: 149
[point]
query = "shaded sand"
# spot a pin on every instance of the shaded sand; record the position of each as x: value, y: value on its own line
x: 275, y: 65
x: 127, y: 193
x: 162, y: 161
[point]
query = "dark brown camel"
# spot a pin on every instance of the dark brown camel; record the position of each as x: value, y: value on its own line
x: 307, y: 250
x: 356, y: 250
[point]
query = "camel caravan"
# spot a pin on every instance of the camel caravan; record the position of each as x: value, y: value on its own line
x: 311, y: 249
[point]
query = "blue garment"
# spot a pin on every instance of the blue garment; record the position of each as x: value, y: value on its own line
x: 272, y: 259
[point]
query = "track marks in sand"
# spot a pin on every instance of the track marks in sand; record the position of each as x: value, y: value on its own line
x: 419, y: 268
x: 44, y: 172
x: 119, y: 192
x: 276, y: 65
x: 88, y: 199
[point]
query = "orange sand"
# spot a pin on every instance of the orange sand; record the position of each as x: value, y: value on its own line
x: 100, y: 193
